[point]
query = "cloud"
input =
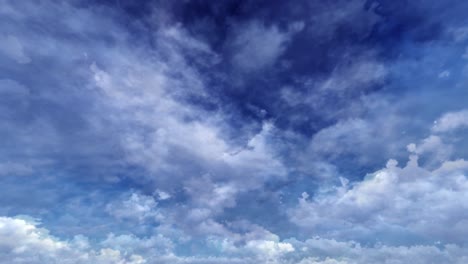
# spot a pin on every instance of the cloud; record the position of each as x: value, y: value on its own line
x: 23, y: 242
x: 459, y: 33
x: 167, y: 132
x: 434, y: 148
x: 10, y: 168
x: 328, y: 251
x: 269, y: 249
x: 137, y: 206
x: 360, y: 75
x: 330, y: 17
x: 117, y: 111
x: 12, y: 47
x: 10, y: 87
x: 149, y: 247
x: 256, y: 46
x: 360, y: 138
x: 138, y: 130
x: 162, y: 195
x: 451, y: 121
x: 391, y: 205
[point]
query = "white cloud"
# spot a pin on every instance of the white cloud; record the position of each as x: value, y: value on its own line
x: 166, y: 140
x: 396, y: 203
x: 363, y: 138
x: 434, y: 147
x: 137, y: 206
x: 444, y: 74
x: 326, y: 261
x: 213, y: 196
x: 358, y: 75
x: 269, y: 249
x: 162, y: 195
x: 136, y: 101
x: 451, y: 121
x: 142, y: 92
x: 150, y: 247
x: 328, y: 251
x: 24, y: 242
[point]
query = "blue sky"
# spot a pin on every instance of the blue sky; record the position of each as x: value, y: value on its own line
x: 289, y: 132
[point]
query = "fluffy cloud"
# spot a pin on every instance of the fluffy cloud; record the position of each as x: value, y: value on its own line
x: 23, y: 242
x: 137, y: 206
x: 269, y: 250
x: 171, y: 133
x: 165, y: 132
x: 326, y: 251
x: 391, y: 205
x: 451, y: 121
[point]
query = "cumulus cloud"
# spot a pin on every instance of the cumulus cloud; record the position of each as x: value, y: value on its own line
x: 24, y: 242
x: 434, y: 148
x: 269, y: 249
x: 392, y: 203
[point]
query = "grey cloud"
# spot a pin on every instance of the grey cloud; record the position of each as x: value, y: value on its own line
x: 257, y: 46
x: 12, y: 47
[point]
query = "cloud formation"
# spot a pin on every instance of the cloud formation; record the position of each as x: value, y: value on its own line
x: 233, y: 132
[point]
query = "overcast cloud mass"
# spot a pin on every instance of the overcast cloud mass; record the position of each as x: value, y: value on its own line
x: 234, y: 131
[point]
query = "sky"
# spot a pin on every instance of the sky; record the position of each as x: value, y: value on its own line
x: 233, y: 131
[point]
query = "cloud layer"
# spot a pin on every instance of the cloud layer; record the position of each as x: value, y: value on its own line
x: 233, y: 132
